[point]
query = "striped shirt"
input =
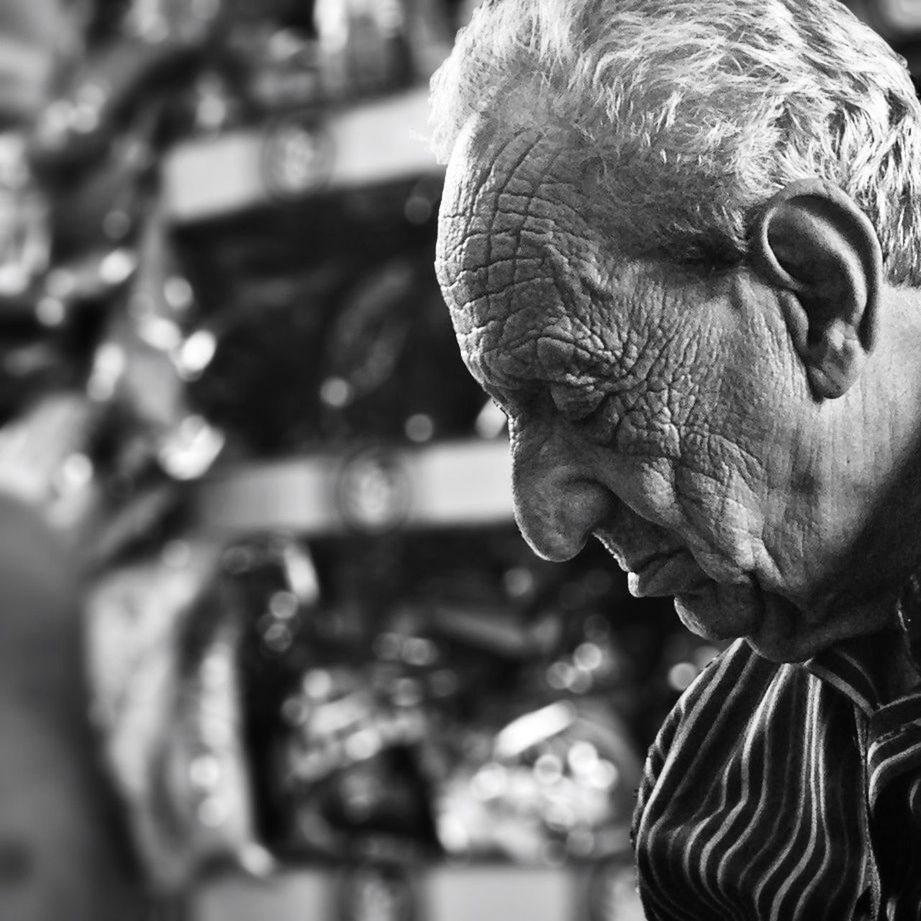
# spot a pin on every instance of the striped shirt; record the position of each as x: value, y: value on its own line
x: 784, y: 792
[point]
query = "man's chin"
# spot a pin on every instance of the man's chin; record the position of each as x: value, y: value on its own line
x: 782, y: 635
x: 773, y: 626
x: 720, y: 612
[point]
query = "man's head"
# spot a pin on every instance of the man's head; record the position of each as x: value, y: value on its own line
x: 688, y: 116
x: 667, y: 233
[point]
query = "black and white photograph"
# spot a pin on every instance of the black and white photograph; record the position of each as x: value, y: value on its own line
x: 460, y: 460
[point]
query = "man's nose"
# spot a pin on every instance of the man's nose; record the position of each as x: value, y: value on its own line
x: 557, y: 504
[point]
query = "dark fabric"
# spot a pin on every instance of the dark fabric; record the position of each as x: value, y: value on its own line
x: 784, y: 792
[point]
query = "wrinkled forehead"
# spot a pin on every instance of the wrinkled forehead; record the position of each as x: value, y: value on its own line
x: 528, y: 180
x: 516, y: 250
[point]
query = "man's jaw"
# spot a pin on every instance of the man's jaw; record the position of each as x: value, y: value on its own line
x: 722, y: 612
x: 658, y: 564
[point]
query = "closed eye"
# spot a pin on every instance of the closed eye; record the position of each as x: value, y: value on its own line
x: 594, y: 415
x: 574, y: 403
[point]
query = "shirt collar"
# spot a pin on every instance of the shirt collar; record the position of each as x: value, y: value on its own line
x: 861, y: 667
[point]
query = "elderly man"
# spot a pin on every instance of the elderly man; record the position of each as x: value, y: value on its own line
x: 681, y: 244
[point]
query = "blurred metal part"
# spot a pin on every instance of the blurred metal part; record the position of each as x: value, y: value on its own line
x: 528, y: 730
x: 158, y: 21
x: 139, y: 366
x: 25, y: 234
x: 375, y: 491
x: 80, y: 124
x: 377, y: 892
x: 297, y: 158
x: 454, y: 892
x: 363, y: 45
x: 161, y: 648
x: 451, y: 484
x: 553, y: 785
x: 487, y: 628
x: 189, y: 450
x: 43, y: 460
x: 209, y: 177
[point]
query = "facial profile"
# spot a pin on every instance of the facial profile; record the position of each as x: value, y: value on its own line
x: 661, y: 409
x: 680, y: 243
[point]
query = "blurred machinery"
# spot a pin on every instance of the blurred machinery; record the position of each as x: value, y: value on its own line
x: 315, y: 638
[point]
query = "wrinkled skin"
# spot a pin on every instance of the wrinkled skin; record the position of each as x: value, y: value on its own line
x: 666, y: 413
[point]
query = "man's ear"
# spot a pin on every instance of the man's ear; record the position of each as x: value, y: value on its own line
x: 813, y: 241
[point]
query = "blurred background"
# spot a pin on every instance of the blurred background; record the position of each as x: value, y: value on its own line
x: 270, y: 643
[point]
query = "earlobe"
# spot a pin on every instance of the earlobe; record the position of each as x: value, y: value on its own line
x: 815, y: 244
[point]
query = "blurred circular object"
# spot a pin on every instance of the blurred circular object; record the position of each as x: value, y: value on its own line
x: 25, y: 233
x: 297, y: 158
x: 374, y: 491
x: 420, y: 427
x: 376, y: 892
x: 899, y: 20
x: 336, y: 392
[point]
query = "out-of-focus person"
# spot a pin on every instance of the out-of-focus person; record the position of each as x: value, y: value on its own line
x: 62, y: 856
x: 27, y: 40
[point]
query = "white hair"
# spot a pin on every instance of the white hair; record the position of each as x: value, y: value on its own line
x: 697, y: 112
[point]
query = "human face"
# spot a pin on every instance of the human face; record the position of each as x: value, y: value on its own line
x: 660, y: 410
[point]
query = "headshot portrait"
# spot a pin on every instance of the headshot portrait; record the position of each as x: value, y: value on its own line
x: 679, y: 243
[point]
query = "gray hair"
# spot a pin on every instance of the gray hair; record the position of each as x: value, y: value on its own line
x: 697, y: 112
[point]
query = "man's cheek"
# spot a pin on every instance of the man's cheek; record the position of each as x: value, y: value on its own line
x: 721, y: 517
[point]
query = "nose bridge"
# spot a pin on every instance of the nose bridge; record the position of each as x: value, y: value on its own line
x: 557, y: 502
